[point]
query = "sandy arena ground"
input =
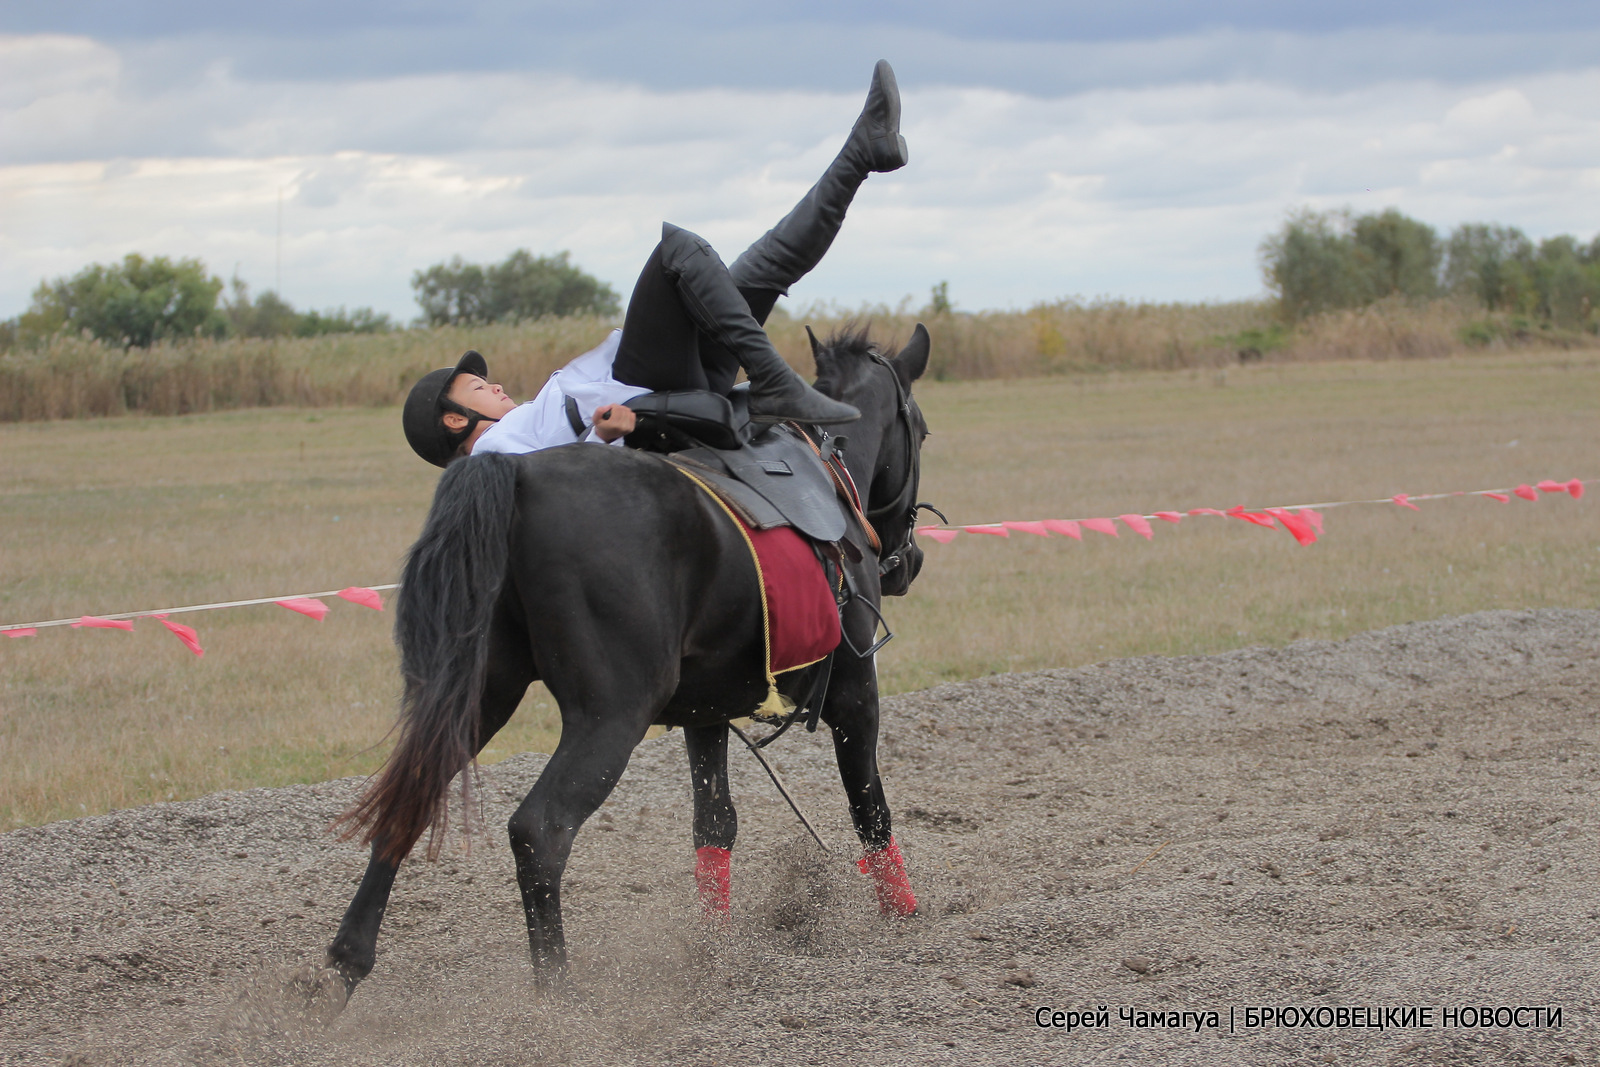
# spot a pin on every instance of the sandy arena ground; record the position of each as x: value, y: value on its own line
x: 1403, y: 819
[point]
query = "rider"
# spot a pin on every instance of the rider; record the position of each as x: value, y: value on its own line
x: 691, y: 323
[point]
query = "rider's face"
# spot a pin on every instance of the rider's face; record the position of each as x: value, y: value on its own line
x: 475, y: 394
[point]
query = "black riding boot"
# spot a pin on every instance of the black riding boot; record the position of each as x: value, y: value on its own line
x: 796, y: 244
x: 708, y: 294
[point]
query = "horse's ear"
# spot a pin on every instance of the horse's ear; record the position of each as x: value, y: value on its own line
x: 816, y: 346
x: 913, y: 358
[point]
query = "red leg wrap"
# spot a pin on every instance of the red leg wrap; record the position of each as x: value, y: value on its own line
x: 713, y: 877
x: 887, y: 869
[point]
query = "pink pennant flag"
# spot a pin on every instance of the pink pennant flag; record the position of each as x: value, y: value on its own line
x: 367, y: 598
x: 305, y: 605
x: 1575, y: 487
x: 1498, y: 496
x: 186, y: 634
x: 935, y: 533
x: 1138, y: 525
x: 1547, y: 486
x: 1314, y: 518
x: 94, y: 623
x: 1105, y: 526
x: 1298, y: 527
x: 994, y: 529
x: 1526, y: 492
x: 1064, y: 527
x: 1257, y: 517
x: 1404, y: 501
x: 1028, y: 527
x: 1170, y: 516
x: 20, y: 631
x: 1208, y: 511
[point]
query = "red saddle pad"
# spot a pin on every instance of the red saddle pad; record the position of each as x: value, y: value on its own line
x: 802, y: 618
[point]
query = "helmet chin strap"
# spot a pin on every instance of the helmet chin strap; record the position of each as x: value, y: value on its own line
x: 473, y: 418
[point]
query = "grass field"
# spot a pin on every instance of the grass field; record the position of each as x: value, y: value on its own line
x: 103, y: 516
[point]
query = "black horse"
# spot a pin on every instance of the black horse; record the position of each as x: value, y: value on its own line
x: 630, y: 593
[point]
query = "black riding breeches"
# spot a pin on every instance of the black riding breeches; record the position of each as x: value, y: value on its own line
x: 662, y: 349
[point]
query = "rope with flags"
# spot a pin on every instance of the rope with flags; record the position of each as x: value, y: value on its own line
x: 1303, y: 522
x: 308, y: 604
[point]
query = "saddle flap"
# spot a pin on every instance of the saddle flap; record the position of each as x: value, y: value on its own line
x: 784, y: 471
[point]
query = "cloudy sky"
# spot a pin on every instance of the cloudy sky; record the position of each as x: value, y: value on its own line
x: 1138, y: 150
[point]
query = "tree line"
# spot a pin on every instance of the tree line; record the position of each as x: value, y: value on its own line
x: 1325, y: 261
x: 140, y: 301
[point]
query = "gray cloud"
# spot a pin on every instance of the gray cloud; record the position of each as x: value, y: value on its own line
x: 1160, y: 189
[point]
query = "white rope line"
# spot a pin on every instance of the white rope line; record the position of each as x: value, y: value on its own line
x: 191, y: 607
x: 1325, y: 506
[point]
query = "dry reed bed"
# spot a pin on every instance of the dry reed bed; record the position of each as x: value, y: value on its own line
x: 77, y: 377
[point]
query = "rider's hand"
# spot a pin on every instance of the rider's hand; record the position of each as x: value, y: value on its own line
x: 613, y: 421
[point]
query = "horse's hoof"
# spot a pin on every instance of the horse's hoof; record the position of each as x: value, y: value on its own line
x: 307, y: 997
x: 552, y: 986
x: 316, y: 994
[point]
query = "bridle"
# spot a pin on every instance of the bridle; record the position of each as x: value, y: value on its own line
x: 904, y: 506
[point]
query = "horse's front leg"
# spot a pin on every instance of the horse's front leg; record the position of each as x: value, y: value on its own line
x: 851, y: 712
x: 716, y: 823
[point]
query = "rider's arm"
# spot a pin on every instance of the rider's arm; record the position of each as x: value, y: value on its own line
x: 613, y: 421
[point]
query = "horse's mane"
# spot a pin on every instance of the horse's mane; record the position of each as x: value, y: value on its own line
x: 840, y: 357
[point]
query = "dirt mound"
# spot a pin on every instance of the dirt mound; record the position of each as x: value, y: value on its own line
x: 1404, y: 820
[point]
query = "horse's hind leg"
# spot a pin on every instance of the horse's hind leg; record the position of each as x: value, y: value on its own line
x: 851, y: 712
x: 716, y: 823
x: 354, y: 947
x: 580, y: 775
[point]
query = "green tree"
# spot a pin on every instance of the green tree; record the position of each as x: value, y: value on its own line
x: 1568, y: 286
x: 1491, y: 264
x: 338, y: 320
x: 1323, y: 260
x: 136, y: 302
x: 1312, y: 265
x: 524, y: 286
x: 451, y: 292
x: 269, y: 315
x: 1400, y: 256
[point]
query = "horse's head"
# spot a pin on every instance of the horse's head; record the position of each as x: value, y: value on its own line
x: 885, y: 446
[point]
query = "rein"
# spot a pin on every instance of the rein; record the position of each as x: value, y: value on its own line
x: 904, y: 503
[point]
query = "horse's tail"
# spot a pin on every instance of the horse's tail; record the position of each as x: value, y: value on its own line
x: 448, y: 590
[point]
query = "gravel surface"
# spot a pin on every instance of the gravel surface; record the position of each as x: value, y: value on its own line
x: 1405, y: 819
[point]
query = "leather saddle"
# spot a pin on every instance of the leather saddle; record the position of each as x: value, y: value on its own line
x: 770, y: 475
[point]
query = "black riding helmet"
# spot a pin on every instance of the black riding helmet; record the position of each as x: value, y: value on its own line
x: 425, y: 408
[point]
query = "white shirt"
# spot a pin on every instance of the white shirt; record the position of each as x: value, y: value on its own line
x: 542, y: 422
